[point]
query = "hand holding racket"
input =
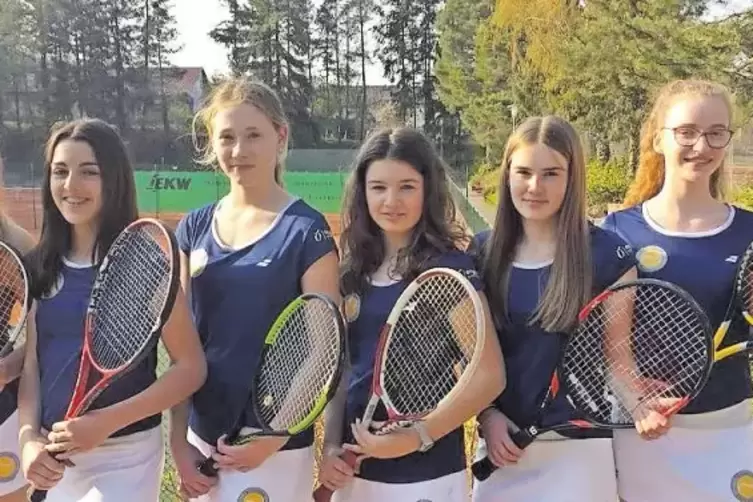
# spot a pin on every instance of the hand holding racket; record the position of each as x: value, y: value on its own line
x: 427, y: 350
x: 131, y: 299
x: 640, y: 352
x: 301, y: 363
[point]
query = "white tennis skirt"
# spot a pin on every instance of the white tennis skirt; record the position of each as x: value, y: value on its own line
x: 123, y: 469
x: 450, y: 488
x: 703, y: 458
x: 285, y: 476
x: 553, y: 469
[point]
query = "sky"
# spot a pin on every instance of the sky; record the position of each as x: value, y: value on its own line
x: 196, y: 18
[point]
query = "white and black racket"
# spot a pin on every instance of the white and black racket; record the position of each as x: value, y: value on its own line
x: 301, y: 364
x: 431, y: 339
x: 131, y: 299
x: 639, y: 347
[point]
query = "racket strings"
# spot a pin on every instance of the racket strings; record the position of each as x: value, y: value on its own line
x: 431, y: 343
x: 298, y: 368
x: 13, y: 292
x: 138, y: 268
x: 646, y: 351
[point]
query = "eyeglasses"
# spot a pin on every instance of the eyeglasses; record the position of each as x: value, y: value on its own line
x: 689, y: 136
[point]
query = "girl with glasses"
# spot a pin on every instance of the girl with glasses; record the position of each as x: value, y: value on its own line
x: 683, y: 232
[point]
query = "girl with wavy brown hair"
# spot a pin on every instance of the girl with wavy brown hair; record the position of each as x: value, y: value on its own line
x: 399, y: 220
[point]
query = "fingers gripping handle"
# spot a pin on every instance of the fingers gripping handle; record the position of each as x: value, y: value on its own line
x: 324, y: 494
x: 484, y: 467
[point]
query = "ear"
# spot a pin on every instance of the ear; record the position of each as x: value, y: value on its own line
x: 658, y: 143
x: 282, y: 137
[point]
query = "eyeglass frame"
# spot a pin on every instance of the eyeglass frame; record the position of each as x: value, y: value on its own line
x: 701, y: 134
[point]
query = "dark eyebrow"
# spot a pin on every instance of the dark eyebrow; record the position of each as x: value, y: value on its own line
x: 552, y: 168
x: 83, y: 164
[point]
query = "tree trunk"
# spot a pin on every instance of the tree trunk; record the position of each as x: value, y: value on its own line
x: 364, y: 95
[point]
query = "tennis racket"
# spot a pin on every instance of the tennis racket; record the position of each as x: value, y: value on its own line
x: 742, y: 302
x: 14, y: 299
x: 427, y: 350
x: 301, y: 364
x: 639, y: 347
x: 131, y: 299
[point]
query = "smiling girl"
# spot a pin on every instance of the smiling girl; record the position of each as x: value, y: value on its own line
x: 88, y: 198
x: 244, y: 259
x: 541, y: 263
x: 684, y: 233
x: 399, y: 219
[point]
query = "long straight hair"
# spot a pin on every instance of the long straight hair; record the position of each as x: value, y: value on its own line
x: 649, y: 177
x: 570, y: 280
x: 118, y: 200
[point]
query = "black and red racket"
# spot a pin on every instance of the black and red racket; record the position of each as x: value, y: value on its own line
x: 640, y: 347
x: 428, y: 348
x: 131, y: 299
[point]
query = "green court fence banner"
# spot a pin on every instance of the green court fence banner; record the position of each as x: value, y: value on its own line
x: 182, y: 191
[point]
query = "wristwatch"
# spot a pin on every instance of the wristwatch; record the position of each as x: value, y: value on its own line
x: 426, y: 441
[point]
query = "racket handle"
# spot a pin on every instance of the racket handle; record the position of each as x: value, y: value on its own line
x: 207, y: 467
x: 324, y: 494
x: 522, y: 438
x: 37, y: 495
x: 483, y: 468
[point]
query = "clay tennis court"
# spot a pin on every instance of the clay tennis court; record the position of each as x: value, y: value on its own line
x: 24, y: 206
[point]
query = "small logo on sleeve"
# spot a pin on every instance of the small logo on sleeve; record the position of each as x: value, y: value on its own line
x: 322, y: 235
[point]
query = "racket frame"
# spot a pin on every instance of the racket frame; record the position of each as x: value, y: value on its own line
x: 483, y: 468
x: 324, y: 494
x: 332, y: 384
x: 12, y: 337
x: 236, y: 437
x: 378, y: 385
x: 82, y: 397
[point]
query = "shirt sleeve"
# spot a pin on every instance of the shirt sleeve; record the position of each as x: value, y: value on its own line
x: 317, y: 242
x: 183, y: 233
x: 612, y: 258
